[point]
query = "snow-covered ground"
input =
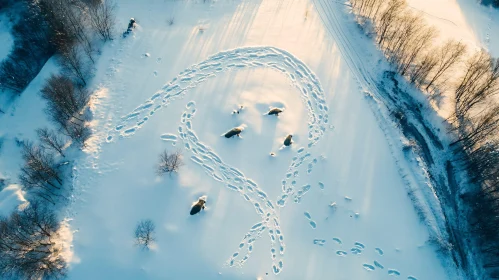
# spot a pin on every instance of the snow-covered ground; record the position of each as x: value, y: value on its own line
x: 334, y: 205
x: 214, y: 58
x: 462, y: 20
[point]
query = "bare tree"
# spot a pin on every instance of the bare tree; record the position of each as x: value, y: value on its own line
x: 74, y: 64
x: 480, y: 81
x: 65, y: 101
x: 29, y: 246
x: 144, y: 234
x: 79, y: 133
x: 169, y: 162
x: 388, y: 18
x: 102, y: 17
x: 50, y: 140
x: 480, y: 128
x: 39, y: 173
x: 67, y: 18
x: 448, y: 56
x: 419, y: 73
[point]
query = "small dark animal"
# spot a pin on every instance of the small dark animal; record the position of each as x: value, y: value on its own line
x: 196, y: 208
x: 288, y: 141
x: 233, y: 132
x: 131, y: 26
x: 274, y: 111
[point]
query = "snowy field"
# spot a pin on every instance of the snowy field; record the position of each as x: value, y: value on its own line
x: 333, y: 205
x: 175, y: 88
x: 466, y: 21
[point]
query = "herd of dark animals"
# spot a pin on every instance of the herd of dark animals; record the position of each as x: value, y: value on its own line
x: 200, y: 204
x: 236, y: 131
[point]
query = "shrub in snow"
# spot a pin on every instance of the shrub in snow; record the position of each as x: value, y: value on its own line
x: 144, y: 234
x: 169, y: 162
x: 29, y: 247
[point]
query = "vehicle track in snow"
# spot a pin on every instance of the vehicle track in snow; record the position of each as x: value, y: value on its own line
x: 313, y: 97
x: 378, y: 98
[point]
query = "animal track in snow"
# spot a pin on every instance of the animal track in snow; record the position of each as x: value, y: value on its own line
x: 312, y: 223
x: 312, y: 95
x: 393, y: 272
x: 341, y: 253
x: 377, y: 264
x: 169, y: 138
x: 368, y: 267
x: 301, y: 193
x: 379, y: 251
x: 235, y: 180
x: 337, y: 240
x: 358, y: 249
x: 319, y: 242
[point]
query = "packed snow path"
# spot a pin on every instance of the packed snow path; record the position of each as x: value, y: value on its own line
x: 250, y: 57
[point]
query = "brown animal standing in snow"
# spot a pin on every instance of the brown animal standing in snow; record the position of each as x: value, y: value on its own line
x: 233, y: 132
x: 198, y: 206
x: 274, y: 111
x: 288, y: 141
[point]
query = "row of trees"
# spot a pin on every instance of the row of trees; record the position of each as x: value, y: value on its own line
x: 30, y: 246
x: 29, y: 239
x: 408, y: 43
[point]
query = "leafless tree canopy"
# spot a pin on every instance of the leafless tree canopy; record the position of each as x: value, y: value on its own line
x: 74, y: 64
x: 169, y: 162
x: 102, y: 17
x: 66, y: 103
x: 51, y: 140
x: 32, y: 48
x: 407, y: 42
x: 39, y: 172
x: 144, y: 233
x: 29, y: 246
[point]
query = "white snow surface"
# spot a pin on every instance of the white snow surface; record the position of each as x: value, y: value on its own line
x: 333, y: 205
x: 266, y: 216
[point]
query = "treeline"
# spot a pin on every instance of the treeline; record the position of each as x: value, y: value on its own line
x: 67, y: 28
x: 30, y: 247
x: 408, y: 43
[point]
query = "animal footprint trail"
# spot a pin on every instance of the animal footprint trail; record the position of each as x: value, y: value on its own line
x: 301, y: 193
x: 248, y: 57
x: 301, y: 77
x: 235, y: 180
x: 312, y: 223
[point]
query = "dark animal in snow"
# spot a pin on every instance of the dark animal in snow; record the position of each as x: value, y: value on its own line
x: 196, y: 208
x: 233, y: 132
x: 274, y: 111
x: 131, y: 26
x: 288, y: 141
